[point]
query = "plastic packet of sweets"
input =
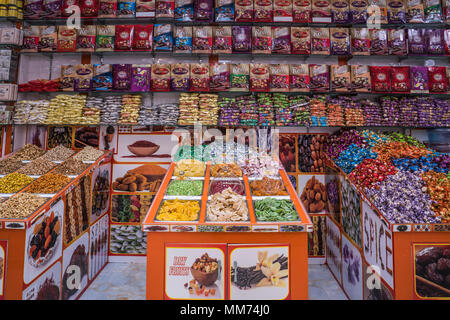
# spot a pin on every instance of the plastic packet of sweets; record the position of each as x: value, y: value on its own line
x: 199, y: 77
x: 380, y: 78
x: 378, y: 42
x: 31, y: 39
x: 89, y: 8
x: 282, y: 11
x: 319, y: 77
x: 279, y: 77
x: 340, y: 41
x: 263, y: 10
x: 145, y: 8
x: 434, y: 41
x: 104, y: 41
x: 281, y: 40
x: 320, y: 41
x: 67, y: 39
x: 202, y: 39
x: 67, y: 77
x: 299, y: 77
x: 163, y: 37
x: 83, y: 77
x: 224, y: 10
x: 123, y: 40
x: 126, y: 8
x: 360, y: 76
x: 340, y: 78
x: 396, y: 11
x: 107, y: 8
x: 259, y: 77
x: 103, y: 77
x: 160, y: 77
x: 437, y: 79
x: 243, y: 10
x: 143, y: 37
x: 447, y: 41
x: 419, y: 79
x: 397, y: 42
x: 340, y: 11
x: 184, y: 10
x: 433, y: 11
x: 165, y: 8
x: 65, y: 4
x: 415, y: 12
x: 51, y: 9
x: 360, y: 41
x: 239, y: 77
x: 204, y: 10
x: 122, y: 77
x: 400, y: 82
x: 382, y: 6
x: 222, y: 39
x: 32, y: 9
x: 261, y: 39
x: 416, y: 41
x: 48, y: 38
x: 86, y: 39
x: 358, y: 11
x: 180, y: 77
x: 220, y: 77
x: 301, y: 40
x: 301, y: 11
x: 242, y: 36
x: 183, y: 39
x: 321, y: 11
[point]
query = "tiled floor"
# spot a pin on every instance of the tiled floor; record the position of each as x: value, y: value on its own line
x: 126, y: 281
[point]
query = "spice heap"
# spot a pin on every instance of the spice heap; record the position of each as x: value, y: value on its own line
x: 10, y: 165
x: 179, y: 210
x: 438, y: 186
x: 189, y: 168
x: 71, y: 167
x: 21, y: 206
x: 227, y: 206
x: 88, y: 153
x: 59, y: 153
x: 217, y: 186
x: 28, y: 152
x: 49, y: 184
x: 37, y: 167
x: 226, y: 170
x: 270, y: 209
x: 13, y: 182
x: 268, y: 187
x: 185, y: 188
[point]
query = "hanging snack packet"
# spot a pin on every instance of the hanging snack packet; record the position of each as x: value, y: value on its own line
x: 163, y: 38
x: 380, y: 78
x: 340, y: 41
x: 83, y: 77
x: 378, y: 42
x: 126, y: 8
x: 447, y: 41
x: 301, y: 11
x: 434, y: 41
x: 320, y: 41
x: 67, y: 39
x: 202, y: 39
x: 143, y: 37
x: 358, y: 11
x: 32, y: 9
x: 224, y: 10
x: 419, y: 79
x: 279, y: 78
x: 31, y: 39
x: 65, y: 12
x: 124, y: 38
x: 180, y: 77
x: 263, y: 10
x: 239, y: 77
x: 281, y: 40
x: 360, y: 41
x: 244, y: 10
x: 104, y: 41
x: 382, y: 6
x: 242, y: 37
x: 360, y: 75
x: 301, y: 40
x: 282, y: 11
x: 416, y: 41
x: 86, y: 39
x: 397, y: 42
x: 220, y: 77
x: 433, y: 11
x: 67, y: 77
x: 259, y: 77
x: 107, y: 8
x: 204, y: 10
x: 299, y: 77
x: 51, y: 9
x: 222, y: 40
x: 145, y: 8
x: 48, y: 38
x: 415, y: 12
x: 183, y: 40
x: 437, y: 79
x: 165, y: 9
x: 199, y: 77
x: 340, y: 11
x: 160, y: 78
x: 103, y: 77
x: 321, y: 11
x: 262, y: 39
x: 184, y: 10
x: 400, y: 82
x: 122, y: 77
x: 140, y: 77
x: 89, y: 8
x: 396, y: 11
x: 340, y: 78
x: 319, y: 77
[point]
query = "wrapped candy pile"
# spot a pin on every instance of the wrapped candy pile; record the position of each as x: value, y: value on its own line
x: 407, y: 182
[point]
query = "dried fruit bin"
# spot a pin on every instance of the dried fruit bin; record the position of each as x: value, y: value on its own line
x: 34, y: 247
x: 392, y: 249
x: 290, y: 233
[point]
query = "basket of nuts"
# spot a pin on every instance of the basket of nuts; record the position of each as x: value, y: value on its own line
x: 205, y: 270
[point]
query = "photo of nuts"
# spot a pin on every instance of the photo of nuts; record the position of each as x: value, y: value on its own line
x: 287, y: 152
x: 314, y: 193
x: 143, y: 178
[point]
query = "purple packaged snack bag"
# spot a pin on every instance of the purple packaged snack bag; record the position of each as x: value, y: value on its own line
x: 51, y: 9
x: 179, y: 77
x: 220, y: 77
x: 32, y: 9
x: 340, y: 11
x: 121, y: 77
x: 416, y: 41
x: 140, y: 77
x: 242, y: 39
x: 396, y: 11
x: 203, y: 10
x: 397, y: 42
x: 434, y: 41
x: 419, y: 79
x: 340, y: 41
x: 319, y: 76
x: 378, y: 42
x: 281, y: 40
x: 358, y: 11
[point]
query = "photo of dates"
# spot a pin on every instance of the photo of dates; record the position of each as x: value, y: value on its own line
x: 432, y: 270
x: 310, y: 153
x: 287, y: 152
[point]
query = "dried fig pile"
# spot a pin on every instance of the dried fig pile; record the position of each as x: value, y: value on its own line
x: 314, y: 196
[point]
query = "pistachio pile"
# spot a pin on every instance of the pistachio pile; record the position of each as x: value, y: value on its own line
x: 20, y: 206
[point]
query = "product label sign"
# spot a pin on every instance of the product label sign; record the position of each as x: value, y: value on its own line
x: 195, y: 271
x: 377, y: 244
x: 3, y: 256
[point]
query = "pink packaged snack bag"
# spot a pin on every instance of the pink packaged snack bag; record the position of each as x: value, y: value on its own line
x: 416, y: 41
x: 107, y: 8
x: 380, y: 78
x: 86, y: 39
x: 202, y: 39
x: 262, y: 39
x: 220, y: 77
x: 299, y: 77
x: 360, y: 41
x: 434, y: 41
x: 301, y: 11
x: 378, y: 42
x: 321, y: 11
x: 242, y: 39
x: 243, y: 10
x: 263, y: 10
x: 437, y: 79
x: 397, y: 42
x: 222, y: 39
x: 279, y: 77
x: 145, y: 8
x: 320, y: 41
x: 259, y: 77
x: 319, y: 77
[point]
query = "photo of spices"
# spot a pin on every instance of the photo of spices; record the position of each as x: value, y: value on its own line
x: 87, y: 136
x: 79, y: 258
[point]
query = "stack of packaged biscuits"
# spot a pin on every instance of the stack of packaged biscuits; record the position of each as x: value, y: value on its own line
x: 188, y: 108
x: 209, y: 109
x: 130, y: 109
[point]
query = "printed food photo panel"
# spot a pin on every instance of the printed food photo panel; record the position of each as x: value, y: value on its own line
x: 258, y: 272
x: 351, y: 211
x: 332, y: 186
x: 127, y: 240
x: 310, y: 152
x: 3, y: 255
x: 317, y: 238
x: 431, y: 270
x: 98, y: 251
x: 108, y: 138
x: 36, y: 135
x: 100, y: 191
x: 138, y: 178
x: 146, y: 148
x: 374, y: 287
x: 195, y: 271
x: 352, y: 278
x: 130, y: 207
x: 287, y: 152
x: 333, y: 249
x: 59, y: 136
x: 312, y: 191
x: 87, y: 136
x: 46, y: 287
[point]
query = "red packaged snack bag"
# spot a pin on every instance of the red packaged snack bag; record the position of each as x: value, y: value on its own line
x: 86, y: 39
x: 301, y: 11
x: 282, y: 11
x: 380, y: 79
x: 299, y: 77
x: 160, y: 77
x: 222, y: 39
x: 263, y: 10
x: 437, y: 79
x: 67, y: 39
x: 279, y: 77
x: 31, y: 39
x: 262, y: 39
x: 300, y: 40
x: 259, y: 77
x: 400, y: 81
x: 143, y: 37
x: 124, y: 38
x: 244, y: 10
x: 199, y: 77
x: 202, y: 39
x: 320, y: 41
x: 65, y: 6
x: 89, y: 8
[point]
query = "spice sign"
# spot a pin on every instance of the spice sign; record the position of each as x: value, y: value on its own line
x: 3, y: 251
x: 195, y: 271
x: 377, y: 244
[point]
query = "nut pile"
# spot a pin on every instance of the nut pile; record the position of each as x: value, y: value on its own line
x: 14, y: 182
x: 71, y: 167
x: 20, y: 206
x: 49, y: 183
x: 314, y: 196
x: 59, y: 153
x: 28, y: 152
x: 37, y: 167
x: 10, y: 165
x: 88, y: 153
